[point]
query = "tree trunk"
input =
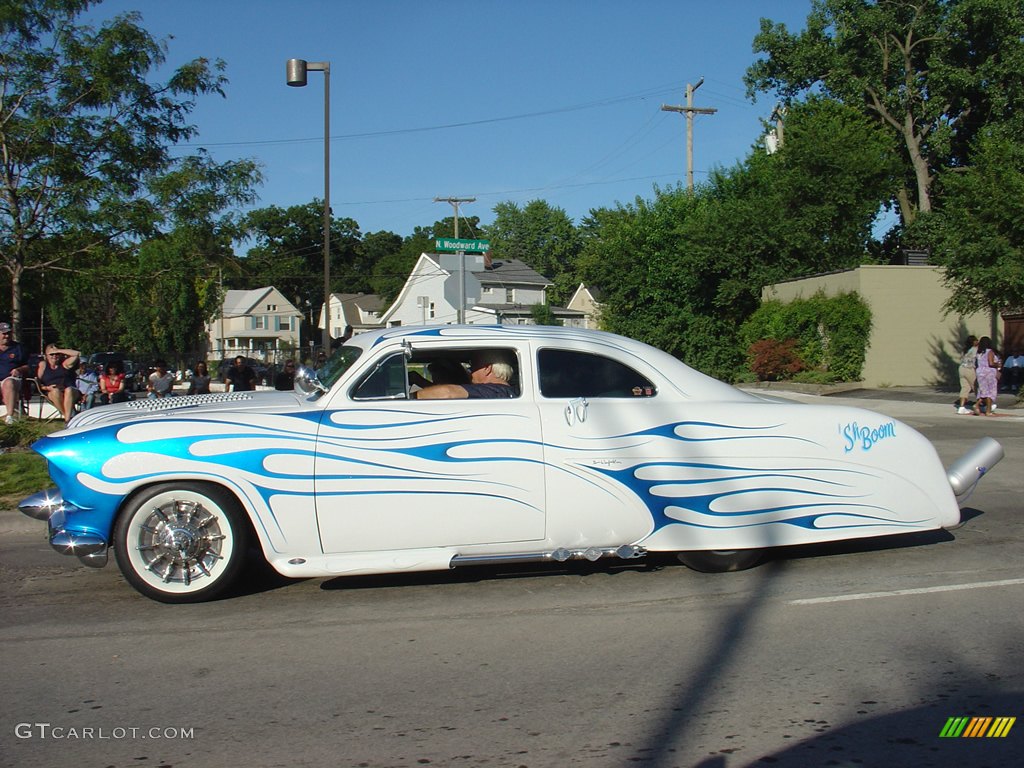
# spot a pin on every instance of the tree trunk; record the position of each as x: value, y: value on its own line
x: 16, y: 301
x: 920, y: 165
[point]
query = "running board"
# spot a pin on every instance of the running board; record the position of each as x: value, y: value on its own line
x: 625, y: 552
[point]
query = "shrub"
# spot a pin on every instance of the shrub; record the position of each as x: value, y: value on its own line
x: 830, y: 333
x: 772, y: 360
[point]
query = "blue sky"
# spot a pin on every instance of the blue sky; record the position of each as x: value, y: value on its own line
x: 500, y: 100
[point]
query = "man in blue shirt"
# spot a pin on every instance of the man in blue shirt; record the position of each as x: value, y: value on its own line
x: 13, y: 368
x: 490, y: 375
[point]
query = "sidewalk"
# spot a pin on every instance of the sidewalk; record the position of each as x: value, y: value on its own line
x: 1006, y: 403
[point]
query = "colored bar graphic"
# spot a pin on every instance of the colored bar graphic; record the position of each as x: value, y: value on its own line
x: 1002, y: 726
x: 977, y: 727
x: 954, y: 727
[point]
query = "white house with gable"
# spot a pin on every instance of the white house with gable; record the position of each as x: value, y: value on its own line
x: 494, y: 291
x: 358, y: 311
x: 260, y: 323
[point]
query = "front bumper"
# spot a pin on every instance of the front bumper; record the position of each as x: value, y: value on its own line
x: 87, y: 546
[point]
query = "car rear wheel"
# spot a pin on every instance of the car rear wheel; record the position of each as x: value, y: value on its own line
x: 721, y: 560
x: 181, y: 542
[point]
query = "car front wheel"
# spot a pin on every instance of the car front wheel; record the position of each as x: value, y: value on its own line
x: 181, y: 542
x: 720, y: 561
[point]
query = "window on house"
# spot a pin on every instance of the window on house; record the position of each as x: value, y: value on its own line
x: 259, y: 322
x: 271, y: 307
x: 566, y: 374
x: 510, y: 296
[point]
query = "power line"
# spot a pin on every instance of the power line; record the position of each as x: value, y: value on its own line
x: 638, y: 96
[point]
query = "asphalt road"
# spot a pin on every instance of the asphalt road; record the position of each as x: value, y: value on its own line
x: 847, y: 655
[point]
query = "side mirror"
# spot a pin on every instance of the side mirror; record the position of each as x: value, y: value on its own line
x: 307, y: 382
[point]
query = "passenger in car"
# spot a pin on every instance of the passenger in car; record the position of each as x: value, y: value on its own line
x: 441, y: 371
x: 490, y: 376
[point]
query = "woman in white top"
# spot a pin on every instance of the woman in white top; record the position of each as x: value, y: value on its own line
x: 968, y: 376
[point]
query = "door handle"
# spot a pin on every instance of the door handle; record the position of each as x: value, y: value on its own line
x: 576, y: 410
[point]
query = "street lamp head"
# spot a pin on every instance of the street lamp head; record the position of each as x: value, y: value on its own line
x: 296, y: 72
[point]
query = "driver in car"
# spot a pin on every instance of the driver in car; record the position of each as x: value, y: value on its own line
x: 490, y: 376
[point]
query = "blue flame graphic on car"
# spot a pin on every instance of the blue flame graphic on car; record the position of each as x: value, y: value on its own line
x: 397, y: 451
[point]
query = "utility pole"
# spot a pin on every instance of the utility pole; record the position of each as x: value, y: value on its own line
x: 689, y: 110
x: 455, y: 202
x: 778, y: 116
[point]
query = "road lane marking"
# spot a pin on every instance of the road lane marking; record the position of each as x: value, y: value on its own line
x: 901, y: 592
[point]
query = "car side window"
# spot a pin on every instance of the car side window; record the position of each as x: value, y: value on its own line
x: 386, y: 381
x: 564, y: 373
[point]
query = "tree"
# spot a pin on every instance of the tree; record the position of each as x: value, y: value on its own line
x: 82, y: 132
x: 978, y: 233
x: 683, y: 271
x: 932, y: 72
x: 289, y: 253
x: 392, y: 269
x: 541, y: 236
x: 156, y: 297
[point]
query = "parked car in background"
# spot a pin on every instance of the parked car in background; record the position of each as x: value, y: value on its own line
x: 603, y: 447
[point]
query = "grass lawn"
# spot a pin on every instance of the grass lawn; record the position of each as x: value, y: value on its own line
x: 22, y: 471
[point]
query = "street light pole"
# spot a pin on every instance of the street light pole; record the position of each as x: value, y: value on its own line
x: 296, y: 76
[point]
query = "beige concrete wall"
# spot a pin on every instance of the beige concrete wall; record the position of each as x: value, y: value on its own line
x: 912, y: 343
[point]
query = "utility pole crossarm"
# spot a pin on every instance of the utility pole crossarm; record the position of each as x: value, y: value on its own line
x: 455, y: 203
x: 689, y: 110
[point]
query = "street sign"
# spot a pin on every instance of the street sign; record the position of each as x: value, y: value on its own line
x: 451, y: 245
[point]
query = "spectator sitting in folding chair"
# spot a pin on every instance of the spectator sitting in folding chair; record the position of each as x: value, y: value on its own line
x: 56, y: 378
x: 13, y: 370
x: 88, y: 384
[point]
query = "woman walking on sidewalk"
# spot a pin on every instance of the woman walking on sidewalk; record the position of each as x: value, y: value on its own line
x: 988, y: 382
x: 968, y: 378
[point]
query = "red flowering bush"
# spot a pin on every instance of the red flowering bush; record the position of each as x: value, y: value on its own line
x: 772, y: 360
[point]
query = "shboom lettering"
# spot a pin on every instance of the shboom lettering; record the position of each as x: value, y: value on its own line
x: 866, y: 437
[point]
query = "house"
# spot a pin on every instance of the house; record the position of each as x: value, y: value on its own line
x: 260, y: 323
x: 360, y: 311
x: 587, y: 300
x: 913, y: 342
x: 492, y: 291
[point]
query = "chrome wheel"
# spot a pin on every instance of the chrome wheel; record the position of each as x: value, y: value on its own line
x: 181, y: 543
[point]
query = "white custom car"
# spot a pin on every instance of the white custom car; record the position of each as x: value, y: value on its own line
x: 608, y: 448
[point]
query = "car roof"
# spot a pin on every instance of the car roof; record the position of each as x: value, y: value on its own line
x: 687, y: 381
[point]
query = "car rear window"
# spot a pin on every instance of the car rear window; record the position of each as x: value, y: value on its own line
x: 567, y: 373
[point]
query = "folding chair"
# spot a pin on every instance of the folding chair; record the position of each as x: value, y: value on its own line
x: 45, y: 410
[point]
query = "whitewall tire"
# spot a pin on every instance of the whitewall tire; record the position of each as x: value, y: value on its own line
x: 181, y: 542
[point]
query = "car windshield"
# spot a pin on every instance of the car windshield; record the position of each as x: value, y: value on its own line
x: 338, y: 363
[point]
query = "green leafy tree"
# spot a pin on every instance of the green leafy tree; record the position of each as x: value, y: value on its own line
x: 289, y: 253
x: 683, y: 271
x: 541, y: 236
x: 931, y: 72
x: 978, y: 233
x: 82, y: 131
x: 542, y: 314
x: 391, y: 270
x: 156, y: 297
